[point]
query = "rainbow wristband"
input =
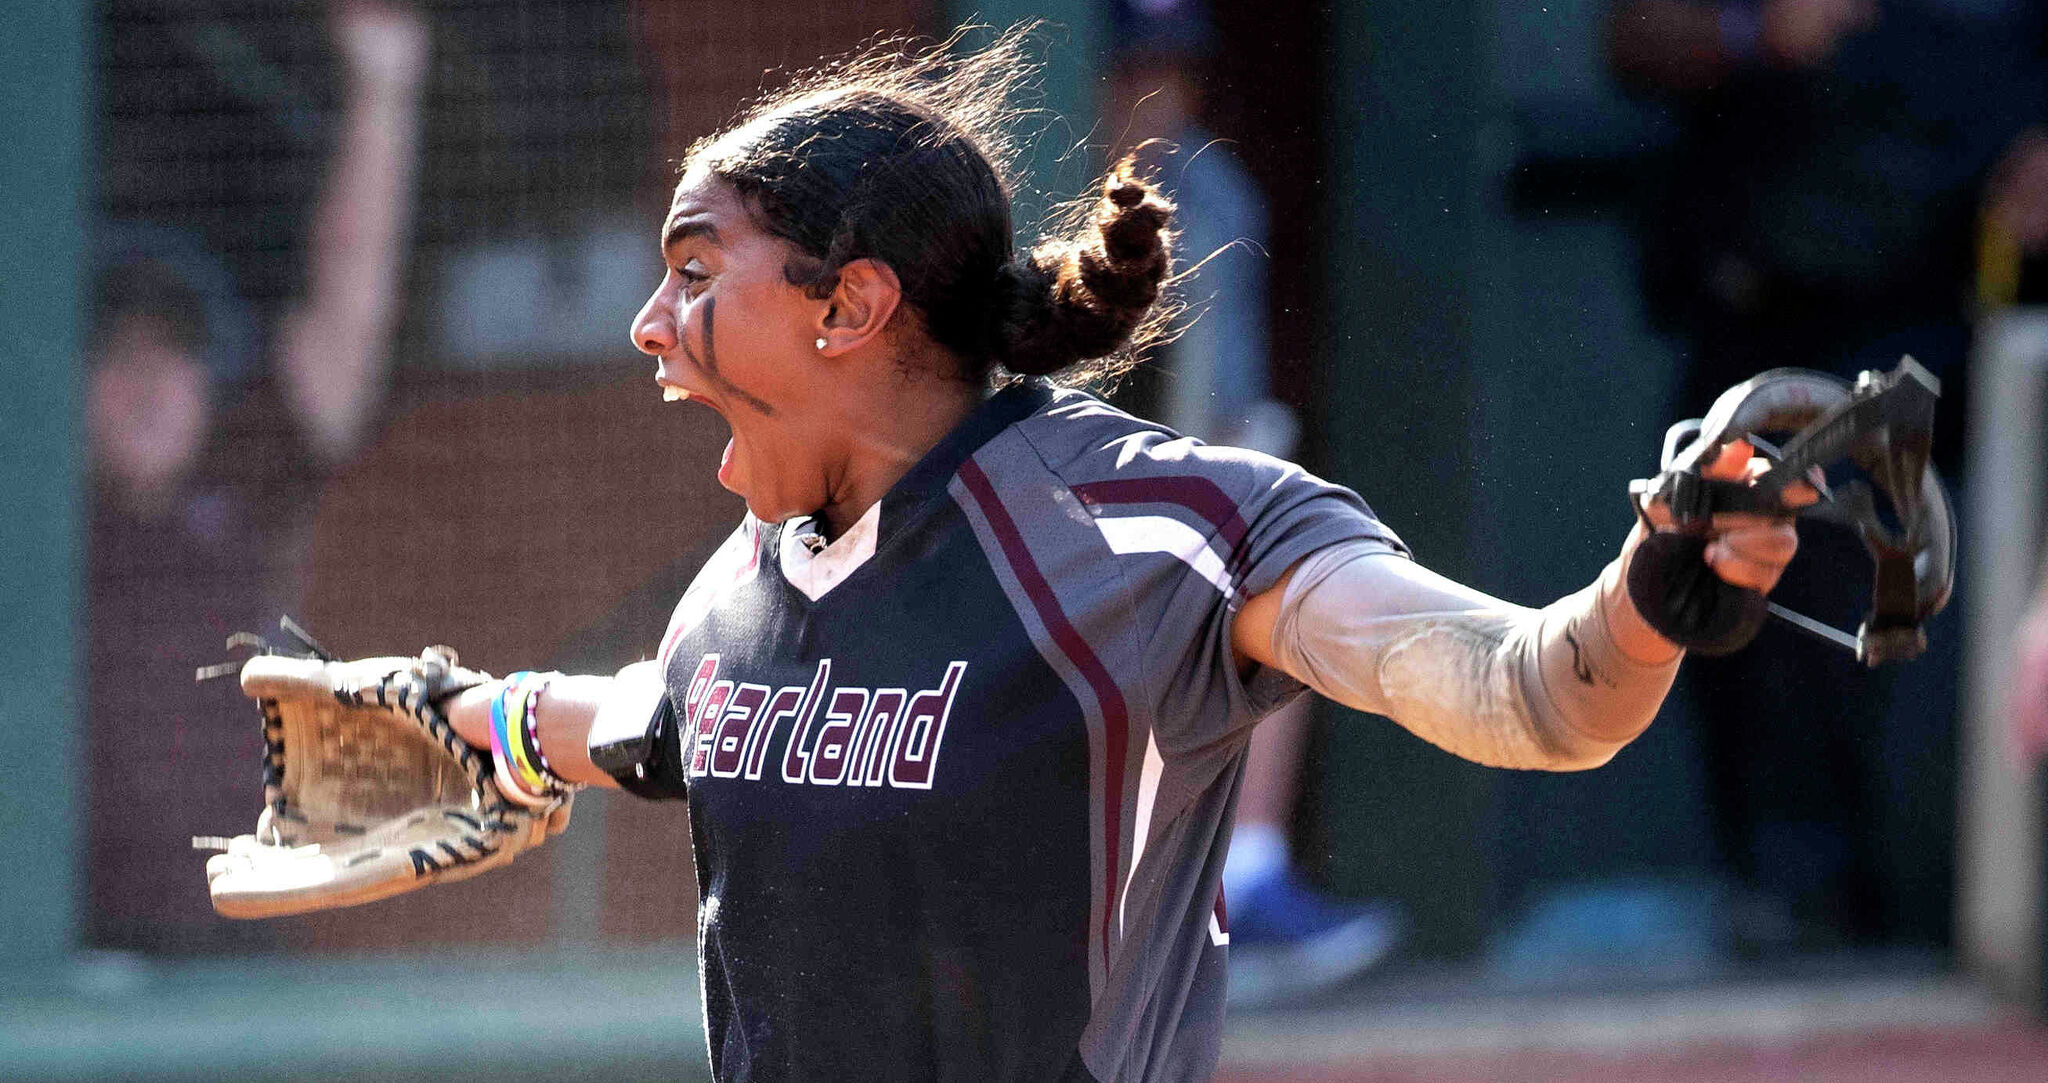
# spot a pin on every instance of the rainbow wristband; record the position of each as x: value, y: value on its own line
x: 510, y: 733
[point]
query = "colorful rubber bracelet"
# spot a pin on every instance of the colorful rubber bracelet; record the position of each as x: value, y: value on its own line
x: 556, y: 783
x: 508, y: 725
x: 498, y: 752
x: 518, y: 725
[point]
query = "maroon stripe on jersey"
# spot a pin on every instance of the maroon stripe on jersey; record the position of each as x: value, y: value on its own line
x: 1197, y: 494
x: 1115, y: 716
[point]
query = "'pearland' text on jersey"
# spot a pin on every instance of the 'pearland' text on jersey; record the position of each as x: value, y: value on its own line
x: 835, y: 736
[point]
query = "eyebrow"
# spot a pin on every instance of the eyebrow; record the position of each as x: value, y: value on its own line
x: 682, y: 229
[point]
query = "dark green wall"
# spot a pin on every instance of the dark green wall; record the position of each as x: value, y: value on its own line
x: 43, y: 81
x: 1492, y: 388
x: 1406, y: 111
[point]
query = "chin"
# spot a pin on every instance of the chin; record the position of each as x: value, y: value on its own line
x: 774, y: 507
x: 761, y: 506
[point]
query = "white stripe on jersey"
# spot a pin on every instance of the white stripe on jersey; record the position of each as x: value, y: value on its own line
x: 1141, y: 823
x: 1128, y: 534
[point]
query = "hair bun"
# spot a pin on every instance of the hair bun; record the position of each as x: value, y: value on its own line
x: 1088, y: 296
x: 1123, y: 193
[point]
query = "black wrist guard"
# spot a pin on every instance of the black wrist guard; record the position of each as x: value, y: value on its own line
x: 1681, y: 597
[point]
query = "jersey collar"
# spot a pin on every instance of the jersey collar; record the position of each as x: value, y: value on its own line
x: 814, y: 569
x: 929, y: 478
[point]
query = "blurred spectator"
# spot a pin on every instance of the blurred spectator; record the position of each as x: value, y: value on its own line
x: 1213, y: 382
x: 201, y: 485
x: 2030, y: 684
x: 1822, y: 208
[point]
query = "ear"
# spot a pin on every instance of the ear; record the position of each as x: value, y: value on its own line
x: 860, y: 306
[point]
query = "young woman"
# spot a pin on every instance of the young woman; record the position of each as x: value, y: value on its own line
x: 961, y: 707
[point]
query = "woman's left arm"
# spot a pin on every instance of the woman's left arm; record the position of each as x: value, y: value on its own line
x: 1559, y: 688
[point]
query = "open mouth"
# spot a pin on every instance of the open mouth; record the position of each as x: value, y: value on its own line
x: 676, y: 393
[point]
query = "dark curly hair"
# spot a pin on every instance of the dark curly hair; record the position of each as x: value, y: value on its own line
x: 906, y: 156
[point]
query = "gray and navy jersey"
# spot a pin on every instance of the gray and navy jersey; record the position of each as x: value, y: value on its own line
x: 961, y: 783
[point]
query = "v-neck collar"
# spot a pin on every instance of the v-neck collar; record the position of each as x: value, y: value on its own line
x: 814, y: 571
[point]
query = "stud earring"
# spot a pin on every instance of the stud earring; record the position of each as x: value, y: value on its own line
x: 820, y: 343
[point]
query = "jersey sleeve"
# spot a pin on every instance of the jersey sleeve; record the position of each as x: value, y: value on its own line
x: 1193, y: 531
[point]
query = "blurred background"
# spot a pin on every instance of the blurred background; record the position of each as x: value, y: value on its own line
x: 276, y: 269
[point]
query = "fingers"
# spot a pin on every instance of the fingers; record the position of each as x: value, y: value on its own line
x: 1753, y: 557
x: 1732, y: 462
x: 1746, y: 549
x: 1738, y: 461
x: 1658, y: 514
x: 1799, y: 494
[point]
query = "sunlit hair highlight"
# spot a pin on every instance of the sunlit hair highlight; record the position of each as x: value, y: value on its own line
x: 908, y: 155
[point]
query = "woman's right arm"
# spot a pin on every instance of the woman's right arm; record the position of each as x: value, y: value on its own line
x: 569, y: 709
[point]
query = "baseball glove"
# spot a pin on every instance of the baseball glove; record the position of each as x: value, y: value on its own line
x: 368, y: 791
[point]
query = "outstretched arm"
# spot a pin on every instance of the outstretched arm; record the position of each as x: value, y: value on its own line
x: 1558, y: 688
x: 567, y: 709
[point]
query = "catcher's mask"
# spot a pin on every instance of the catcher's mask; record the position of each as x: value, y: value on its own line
x: 1882, y: 424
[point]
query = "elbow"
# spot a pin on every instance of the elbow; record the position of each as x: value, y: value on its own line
x: 1571, y: 748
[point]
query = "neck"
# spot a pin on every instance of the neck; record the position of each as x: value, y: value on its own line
x: 890, y: 427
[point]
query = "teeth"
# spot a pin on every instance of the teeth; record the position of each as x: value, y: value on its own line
x: 673, y: 394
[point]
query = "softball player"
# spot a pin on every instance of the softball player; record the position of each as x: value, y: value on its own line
x: 961, y: 707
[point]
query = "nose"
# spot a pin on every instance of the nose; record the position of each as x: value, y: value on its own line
x: 654, y: 329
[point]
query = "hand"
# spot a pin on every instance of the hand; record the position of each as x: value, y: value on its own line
x: 1747, y: 550
x: 1806, y: 33
x: 2030, y: 684
x: 2016, y: 196
x: 381, y: 42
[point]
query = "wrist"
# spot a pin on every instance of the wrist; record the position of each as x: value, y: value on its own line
x: 525, y: 774
x: 1633, y: 635
x: 381, y: 95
